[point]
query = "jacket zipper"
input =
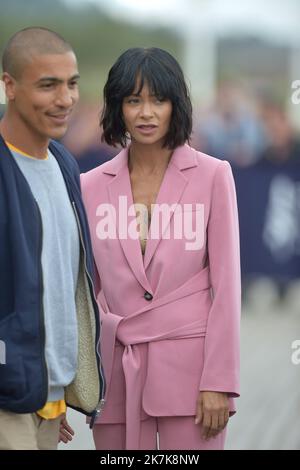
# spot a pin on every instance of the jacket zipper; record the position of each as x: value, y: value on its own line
x: 97, y: 412
x: 101, y: 403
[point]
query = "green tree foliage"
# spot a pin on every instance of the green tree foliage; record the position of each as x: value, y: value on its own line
x: 97, y: 38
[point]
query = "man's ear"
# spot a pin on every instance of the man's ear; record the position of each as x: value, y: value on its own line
x: 9, y: 86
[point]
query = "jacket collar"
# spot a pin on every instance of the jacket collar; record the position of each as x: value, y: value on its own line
x: 183, y: 157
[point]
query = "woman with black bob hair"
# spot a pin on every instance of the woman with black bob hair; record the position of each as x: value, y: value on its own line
x: 161, y: 72
x: 164, y: 228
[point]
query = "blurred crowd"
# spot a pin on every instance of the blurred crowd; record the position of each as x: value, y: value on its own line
x: 242, y: 129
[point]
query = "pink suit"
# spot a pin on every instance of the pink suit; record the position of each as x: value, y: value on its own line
x: 158, y: 353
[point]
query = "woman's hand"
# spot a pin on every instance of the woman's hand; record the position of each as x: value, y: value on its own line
x: 212, y: 412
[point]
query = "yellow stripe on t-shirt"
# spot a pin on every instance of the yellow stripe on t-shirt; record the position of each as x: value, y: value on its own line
x: 53, y: 409
x: 15, y: 149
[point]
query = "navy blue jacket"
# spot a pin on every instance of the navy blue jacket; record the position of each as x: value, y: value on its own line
x: 23, y: 377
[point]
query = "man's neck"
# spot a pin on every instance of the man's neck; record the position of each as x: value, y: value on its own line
x: 34, y: 147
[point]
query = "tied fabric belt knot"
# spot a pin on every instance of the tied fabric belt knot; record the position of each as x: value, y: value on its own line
x: 145, y: 326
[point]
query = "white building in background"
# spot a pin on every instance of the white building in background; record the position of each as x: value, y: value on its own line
x: 203, y: 23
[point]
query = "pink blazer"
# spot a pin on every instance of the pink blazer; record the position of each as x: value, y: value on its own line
x: 171, y: 318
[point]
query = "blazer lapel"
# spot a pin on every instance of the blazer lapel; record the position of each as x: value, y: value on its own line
x: 170, y: 193
x: 120, y: 195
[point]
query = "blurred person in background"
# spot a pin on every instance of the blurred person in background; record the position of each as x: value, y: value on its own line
x: 49, y: 318
x: 268, y: 194
x: 231, y: 130
x: 283, y: 146
x: 170, y: 311
x: 83, y: 139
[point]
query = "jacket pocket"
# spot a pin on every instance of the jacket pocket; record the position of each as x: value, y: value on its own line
x: 12, y: 374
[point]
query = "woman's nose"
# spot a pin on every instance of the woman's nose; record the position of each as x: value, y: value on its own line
x: 146, y: 109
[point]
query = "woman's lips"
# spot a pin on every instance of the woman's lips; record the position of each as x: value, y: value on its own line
x: 147, y: 128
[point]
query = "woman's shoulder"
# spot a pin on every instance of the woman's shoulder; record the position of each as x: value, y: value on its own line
x: 210, y: 161
x: 208, y: 164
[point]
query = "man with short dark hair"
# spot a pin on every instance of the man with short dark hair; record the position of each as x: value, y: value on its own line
x: 49, y: 320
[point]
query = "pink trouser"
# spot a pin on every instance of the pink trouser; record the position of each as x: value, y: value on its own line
x: 174, y: 433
